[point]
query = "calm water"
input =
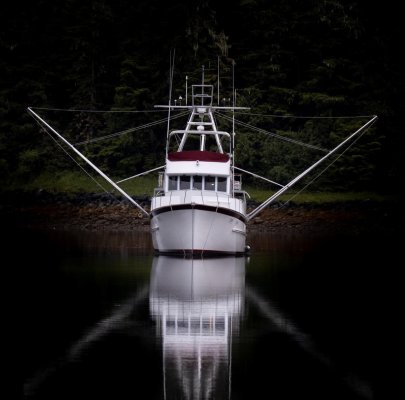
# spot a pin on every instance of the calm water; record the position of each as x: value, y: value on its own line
x: 103, y: 317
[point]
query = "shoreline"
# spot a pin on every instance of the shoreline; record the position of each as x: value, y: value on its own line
x: 102, y: 212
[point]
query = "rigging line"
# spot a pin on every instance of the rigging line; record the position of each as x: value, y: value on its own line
x: 309, y: 169
x: 305, y: 117
x: 177, y: 138
x: 83, y: 157
x: 141, y: 174
x: 72, y: 158
x: 284, y: 324
x: 277, y: 136
x: 148, y: 125
x: 101, y: 329
x: 324, y: 170
x: 95, y: 111
x: 257, y: 176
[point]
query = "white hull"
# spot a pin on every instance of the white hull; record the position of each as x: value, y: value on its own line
x: 196, y: 229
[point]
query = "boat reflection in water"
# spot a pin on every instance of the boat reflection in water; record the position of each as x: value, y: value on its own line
x: 197, y: 305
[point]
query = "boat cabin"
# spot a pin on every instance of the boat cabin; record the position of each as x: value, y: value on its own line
x: 199, y: 162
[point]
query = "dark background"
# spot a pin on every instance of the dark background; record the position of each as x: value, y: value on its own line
x: 324, y: 58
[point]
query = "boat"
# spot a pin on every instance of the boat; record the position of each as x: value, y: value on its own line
x: 199, y: 207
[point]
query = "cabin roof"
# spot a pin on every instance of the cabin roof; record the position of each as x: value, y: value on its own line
x: 194, y: 155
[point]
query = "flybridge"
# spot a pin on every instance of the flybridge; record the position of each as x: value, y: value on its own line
x: 201, y: 121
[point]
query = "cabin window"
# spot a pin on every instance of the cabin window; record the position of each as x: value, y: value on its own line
x: 185, y: 182
x: 197, y: 182
x: 221, y: 184
x: 172, y: 182
x: 209, y: 183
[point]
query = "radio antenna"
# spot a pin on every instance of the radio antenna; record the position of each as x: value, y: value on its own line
x: 218, y: 84
x: 171, y: 72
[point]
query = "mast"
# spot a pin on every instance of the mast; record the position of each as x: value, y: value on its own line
x: 233, y: 128
x: 218, y: 84
x: 171, y: 69
x: 186, y: 90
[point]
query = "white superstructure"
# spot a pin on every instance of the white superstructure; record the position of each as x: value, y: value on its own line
x: 197, y: 209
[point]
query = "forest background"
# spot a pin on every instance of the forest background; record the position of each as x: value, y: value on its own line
x: 326, y: 58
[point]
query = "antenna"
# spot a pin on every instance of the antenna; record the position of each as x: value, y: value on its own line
x: 202, y: 81
x: 218, y: 83
x: 171, y: 71
x: 186, y: 90
x: 233, y: 84
x: 233, y: 119
x: 233, y: 97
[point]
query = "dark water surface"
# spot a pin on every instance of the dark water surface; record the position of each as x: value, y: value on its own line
x: 105, y: 318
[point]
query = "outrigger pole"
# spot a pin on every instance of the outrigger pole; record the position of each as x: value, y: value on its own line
x: 262, y: 206
x: 126, y: 195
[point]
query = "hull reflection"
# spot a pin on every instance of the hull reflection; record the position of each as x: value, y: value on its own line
x: 197, y: 306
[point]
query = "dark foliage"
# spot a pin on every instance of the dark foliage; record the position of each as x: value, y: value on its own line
x: 319, y: 57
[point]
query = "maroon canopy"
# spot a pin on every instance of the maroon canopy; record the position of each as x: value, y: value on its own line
x: 194, y: 155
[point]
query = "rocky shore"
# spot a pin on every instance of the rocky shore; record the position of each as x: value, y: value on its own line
x: 95, y: 212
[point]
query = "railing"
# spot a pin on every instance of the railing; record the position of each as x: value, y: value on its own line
x: 215, y: 199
